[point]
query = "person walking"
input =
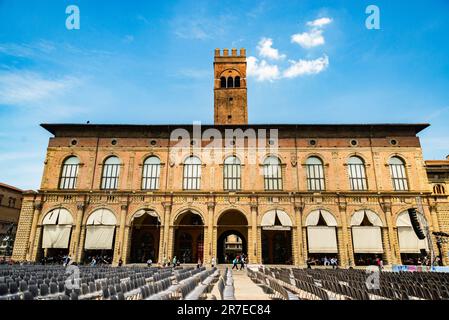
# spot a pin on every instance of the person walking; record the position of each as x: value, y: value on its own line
x: 174, y: 261
x: 234, y: 263
x: 242, y: 262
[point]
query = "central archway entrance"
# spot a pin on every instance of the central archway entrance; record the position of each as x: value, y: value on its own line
x: 189, y: 238
x: 232, y: 233
x: 146, y: 228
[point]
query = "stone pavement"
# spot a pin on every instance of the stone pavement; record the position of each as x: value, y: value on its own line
x: 245, y: 289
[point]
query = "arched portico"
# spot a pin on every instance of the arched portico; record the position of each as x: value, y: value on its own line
x: 232, y: 231
x: 145, y: 236
x: 188, y: 237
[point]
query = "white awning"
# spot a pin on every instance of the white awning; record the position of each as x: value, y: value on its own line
x: 367, y: 239
x: 56, y: 236
x: 57, y: 229
x: 403, y: 219
x: 358, y: 217
x: 99, y: 237
x: 100, y: 230
x: 314, y: 217
x: 269, y: 219
x: 322, y: 239
x: 102, y: 217
x: 409, y: 242
x: 141, y: 212
x: 59, y: 216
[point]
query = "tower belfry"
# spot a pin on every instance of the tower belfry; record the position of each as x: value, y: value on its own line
x: 230, y: 94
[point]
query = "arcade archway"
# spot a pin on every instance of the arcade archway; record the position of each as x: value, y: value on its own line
x: 145, y: 236
x: 189, y: 238
x: 232, y: 236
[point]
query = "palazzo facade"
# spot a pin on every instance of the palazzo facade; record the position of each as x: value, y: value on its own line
x: 310, y: 192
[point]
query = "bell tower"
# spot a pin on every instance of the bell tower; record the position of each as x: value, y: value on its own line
x: 230, y: 97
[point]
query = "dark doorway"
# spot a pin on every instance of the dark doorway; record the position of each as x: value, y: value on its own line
x: 145, y: 239
x: 189, y: 238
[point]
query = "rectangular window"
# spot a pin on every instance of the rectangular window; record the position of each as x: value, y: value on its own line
x: 192, y: 176
x: 232, y: 177
x: 272, y: 177
x: 357, y: 177
x: 110, y: 176
x: 69, y: 176
x: 151, y: 174
x: 399, y: 177
x: 315, y: 177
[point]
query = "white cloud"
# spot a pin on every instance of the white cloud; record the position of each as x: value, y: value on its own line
x: 25, y: 87
x: 319, y: 23
x: 310, y: 39
x: 314, y: 37
x: 266, y: 49
x: 306, y: 67
x: 262, y: 70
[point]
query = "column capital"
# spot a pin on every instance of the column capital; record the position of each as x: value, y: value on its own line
x: 299, y: 206
x: 37, y: 206
x: 80, y: 206
x: 124, y: 206
x: 342, y: 204
x: 211, y: 205
x: 167, y: 205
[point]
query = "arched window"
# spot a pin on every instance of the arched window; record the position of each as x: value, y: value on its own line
x: 232, y: 173
x: 272, y: 171
x: 192, y: 174
x: 69, y: 173
x: 439, y: 189
x: 315, y: 174
x: 398, y: 175
x: 357, y: 174
x: 151, y: 173
x: 237, y: 82
x: 222, y: 82
x: 230, y: 82
x: 111, y: 173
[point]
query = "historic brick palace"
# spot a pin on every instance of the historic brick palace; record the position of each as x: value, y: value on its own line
x: 287, y: 193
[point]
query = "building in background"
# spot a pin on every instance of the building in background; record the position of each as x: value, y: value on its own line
x: 438, y: 175
x: 10, y: 204
x: 305, y: 193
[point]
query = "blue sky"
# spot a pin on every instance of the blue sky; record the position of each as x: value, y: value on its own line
x: 150, y: 62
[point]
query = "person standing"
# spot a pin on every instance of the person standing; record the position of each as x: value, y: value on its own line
x: 213, y: 262
x: 174, y: 261
x: 120, y: 262
x: 149, y: 263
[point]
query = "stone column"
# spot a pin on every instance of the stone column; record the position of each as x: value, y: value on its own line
x: 208, y: 234
x: 343, y: 237
x: 36, y: 213
x: 119, y: 249
x: 297, y: 235
x: 255, y: 241
x: 75, y: 245
x: 394, y: 249
x: 166, y: 252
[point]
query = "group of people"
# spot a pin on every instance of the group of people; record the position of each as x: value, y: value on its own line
x: 324, y: 261
x: 239, y: 260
